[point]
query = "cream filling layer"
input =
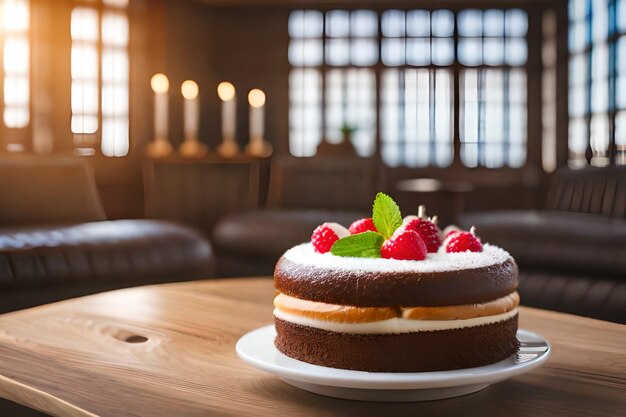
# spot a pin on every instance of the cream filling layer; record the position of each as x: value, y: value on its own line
x: 394, y: 325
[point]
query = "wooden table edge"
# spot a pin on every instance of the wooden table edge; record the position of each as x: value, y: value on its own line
x: 39, y: 400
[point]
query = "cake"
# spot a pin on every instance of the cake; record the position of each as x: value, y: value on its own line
x: 394, y: 295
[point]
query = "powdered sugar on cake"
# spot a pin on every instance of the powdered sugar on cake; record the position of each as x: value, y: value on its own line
x: 304, y: 254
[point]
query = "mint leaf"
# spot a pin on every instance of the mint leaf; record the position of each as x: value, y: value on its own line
x: 386, y: 215
x: 363, y: 245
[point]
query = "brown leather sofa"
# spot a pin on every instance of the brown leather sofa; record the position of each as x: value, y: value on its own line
x: 303, y: 193
x: 572, y: 254
x: 55, y: 241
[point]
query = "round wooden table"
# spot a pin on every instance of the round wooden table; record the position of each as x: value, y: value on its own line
x: 168, y: 350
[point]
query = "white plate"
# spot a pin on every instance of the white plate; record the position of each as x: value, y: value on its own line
x: 257, y: 348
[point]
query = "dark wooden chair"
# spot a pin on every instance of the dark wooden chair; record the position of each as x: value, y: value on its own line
x: 303, y: 193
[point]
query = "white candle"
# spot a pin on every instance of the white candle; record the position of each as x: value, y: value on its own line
x: 160, y: 85
x: 189, y: 90
x: 256, y: 98
x: 226, y: 92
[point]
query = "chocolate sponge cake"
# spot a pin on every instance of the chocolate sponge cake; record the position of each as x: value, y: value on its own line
x: 455, y: 310
x: 375, y: 297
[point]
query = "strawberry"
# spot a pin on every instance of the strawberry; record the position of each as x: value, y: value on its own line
x: 325, y: 235
x: 463, y: 242
x: 363, y: 225
x: 405, y: 244
x: 426, y: 228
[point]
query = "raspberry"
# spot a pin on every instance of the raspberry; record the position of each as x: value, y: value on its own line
x: 426, y: 228
x: 463, y: 242
x: 325, y: 235
x: 405, y: 245
x: 363, y: 225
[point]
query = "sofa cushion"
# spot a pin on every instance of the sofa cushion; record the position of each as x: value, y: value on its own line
x: 103, y: 254
x: 269, y: 233
x: 583, y: 295
x: 556, y: 241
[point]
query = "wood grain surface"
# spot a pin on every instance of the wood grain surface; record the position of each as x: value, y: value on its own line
x: 168, y: 350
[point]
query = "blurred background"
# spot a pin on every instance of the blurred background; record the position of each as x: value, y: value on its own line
x: 508, y: 115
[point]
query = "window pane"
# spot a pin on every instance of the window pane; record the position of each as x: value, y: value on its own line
x: 115, y: 137
x: 577, y: 100
x: 620, y: 138
x: 305, y: 52
x: 620, y: 130
x: 82, y: 124
x: 16, y: 54
x: 305, y: 111
x: 599, y: 134
x: 305, y: 23
x: 16, y: 117
x: 16, y: 91
x: 114, y: 66
x: 516, y: 22
x: 470, y: 51
x: 493, y: 51
x: 493, y: 23
x: 338, y: 23
x: 600, y: 15
x: 418, y: 23
x: 393, y: 51
x: 351, y: 102
x: 84, y: 62
x: 516, y: 52
x: 114, y: 29
x: 470, y: 22
x: 84, y: 24
x: 442, y: 51
x: 577, y: 36
x: 416, y: 111
x: 364, y: 52
x: 393, y: 23
x: 443, y: 23
x: 418, y: 51
x: 84, y: 97
x: 578, y: 70
x: 577, y: 9
x: 114, y: 100
x: 364, y: 23
x: 621, y: 76
x: 338, y: 51
x: 15, y: 15
x: 577, y: 139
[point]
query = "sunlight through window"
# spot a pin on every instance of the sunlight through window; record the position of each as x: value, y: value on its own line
x: 16, y: 63
x: 100, y: 79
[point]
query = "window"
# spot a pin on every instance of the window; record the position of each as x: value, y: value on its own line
x: 338, y: 80
x: 346, y: 44
x: 492, y: 47
x: 597, y: 102
x: 100, y: 77
x: 417, y: 87
x: 16, y: 63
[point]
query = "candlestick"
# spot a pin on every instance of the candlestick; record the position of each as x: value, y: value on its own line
x: 191, y: 146
x: 226, y: 92
x: 257, y: 146
x: 160, y: 147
